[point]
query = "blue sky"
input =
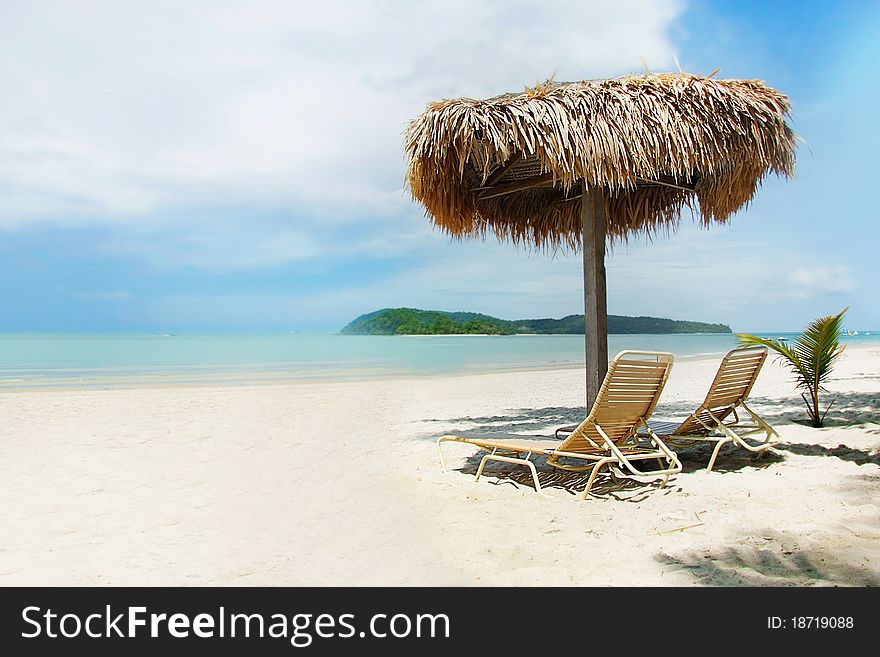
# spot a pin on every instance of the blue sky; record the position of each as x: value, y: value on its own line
x: 224, y: 166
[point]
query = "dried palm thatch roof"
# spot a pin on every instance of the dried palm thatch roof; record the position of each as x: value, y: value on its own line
x: 515, y: 165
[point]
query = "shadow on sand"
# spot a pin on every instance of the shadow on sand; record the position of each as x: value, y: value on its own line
x: 619, y: 488
x: 765, y: 557
x: 770, y: 560
x: 542, y: 421
x: 693, y: 459
x: 850, y: 409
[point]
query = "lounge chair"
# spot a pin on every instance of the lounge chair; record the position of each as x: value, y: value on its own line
x: 711, y: 421
x: 607, y: 436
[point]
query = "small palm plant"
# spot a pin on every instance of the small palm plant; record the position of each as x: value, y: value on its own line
x: 811, y: 358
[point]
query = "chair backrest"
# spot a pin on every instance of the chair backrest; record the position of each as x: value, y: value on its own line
x: 732, y: 384
x: 628, y: 395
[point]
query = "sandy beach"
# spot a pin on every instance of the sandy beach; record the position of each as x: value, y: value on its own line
x: 339, y: 484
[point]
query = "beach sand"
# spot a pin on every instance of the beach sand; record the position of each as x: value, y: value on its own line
x: 339, y: 484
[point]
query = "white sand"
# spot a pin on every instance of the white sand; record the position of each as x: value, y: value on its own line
x: 339, y: 484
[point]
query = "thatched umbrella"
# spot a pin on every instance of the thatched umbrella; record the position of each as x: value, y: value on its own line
x: 565, y: 165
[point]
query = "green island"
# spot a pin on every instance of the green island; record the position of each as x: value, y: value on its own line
x: 412, y: 321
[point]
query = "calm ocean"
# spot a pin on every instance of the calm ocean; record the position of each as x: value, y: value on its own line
x: 29, y: 361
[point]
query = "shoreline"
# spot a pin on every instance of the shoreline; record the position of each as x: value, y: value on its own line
x: 257, y: 378
x: 262, y: 377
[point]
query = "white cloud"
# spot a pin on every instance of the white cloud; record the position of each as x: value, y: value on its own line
x: 227, y: 136
x: 735, y: 279
x: 237, y: 241
x: 821, y: 280
x: 725, y: 274
x: 117, y: 111
x: 217, y: 246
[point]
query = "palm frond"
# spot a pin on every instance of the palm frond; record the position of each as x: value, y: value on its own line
x: 789, y: 356
x: 819, y: 346
x: 811, y: 358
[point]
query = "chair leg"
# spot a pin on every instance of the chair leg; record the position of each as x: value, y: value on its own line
x: 531, y: 467
x: 483, y: 462
x: 721, y: 443
x: 772, y: 438
x: 762, y: 449
x: 593, y: 473
x: 508, y: 459
x: 440, y: 452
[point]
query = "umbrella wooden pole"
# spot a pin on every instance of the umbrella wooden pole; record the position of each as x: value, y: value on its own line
x: 595, y: 309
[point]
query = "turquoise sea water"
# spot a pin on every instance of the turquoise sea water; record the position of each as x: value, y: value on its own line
x: 33, y: 361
